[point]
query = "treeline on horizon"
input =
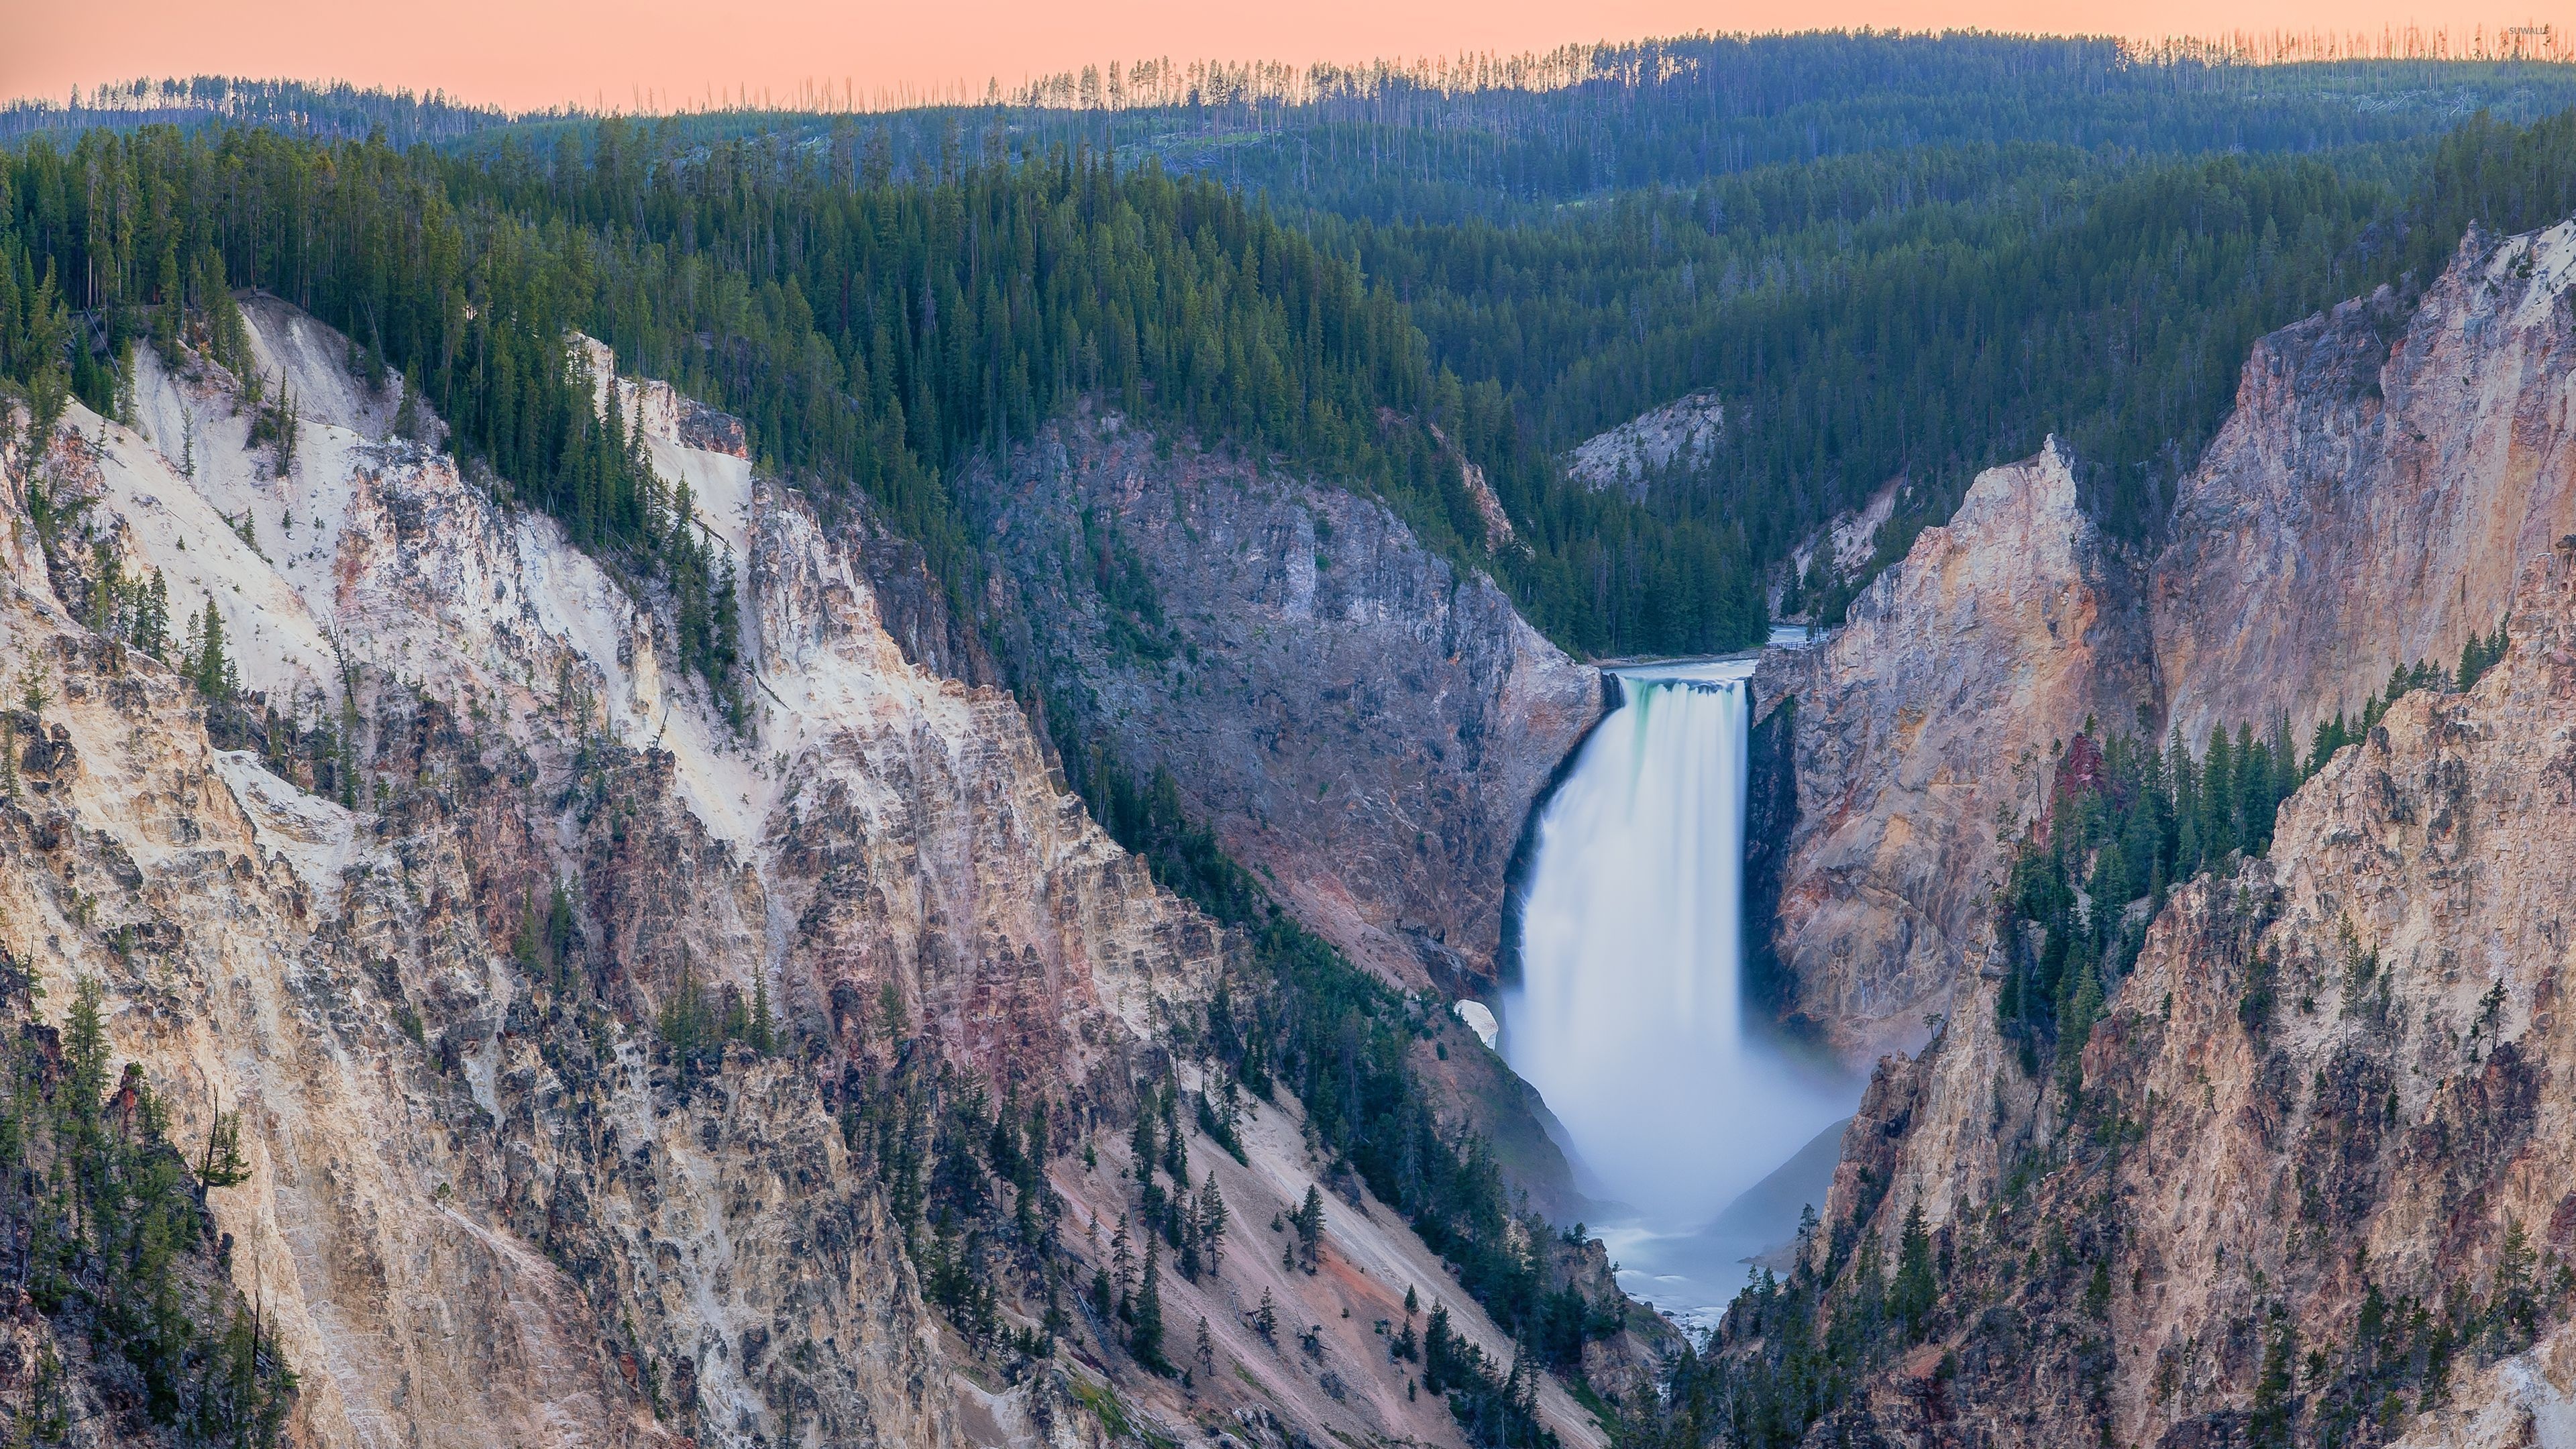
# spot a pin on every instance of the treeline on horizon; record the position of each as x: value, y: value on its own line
x: 1914, y: 311
x: 1441, y: 136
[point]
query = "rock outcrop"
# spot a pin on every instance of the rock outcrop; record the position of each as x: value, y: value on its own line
x: 1929, y: 716
x: 2386, y: 475
x: 1678, y: 437
x: 1355, y: 718
x: 2315, y: 1170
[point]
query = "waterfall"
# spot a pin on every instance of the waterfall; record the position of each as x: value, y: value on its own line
x: 1628, y: 1015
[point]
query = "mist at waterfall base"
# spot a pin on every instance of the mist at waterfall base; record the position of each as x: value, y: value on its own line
x: 1628, y: 1016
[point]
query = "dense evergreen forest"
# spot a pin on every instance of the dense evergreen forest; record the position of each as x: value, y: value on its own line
x: 1890, y: 258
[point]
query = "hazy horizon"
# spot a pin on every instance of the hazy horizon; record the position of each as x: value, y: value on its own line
x: 660, y: 56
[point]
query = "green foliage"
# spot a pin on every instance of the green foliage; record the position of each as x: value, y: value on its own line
x: 115, y: 1246
x: 1192, y: 1224
x: 1915, y: 312
x: 1911, y: 1297
x: 1145, y: 1333
x: 964, y: 1177
x: 1494, y: 1410
x: 1506, y: 137
x: 134, y: 611
x: 1220, y: 1123
x: 1308, y: 1223
x: 2480, y: 654
x: 2122, y: 822
x: 1854, y: 344
x: 544, y: 946
x: 477, y: 306
x: 204, y: 659
x: 1919, y: 314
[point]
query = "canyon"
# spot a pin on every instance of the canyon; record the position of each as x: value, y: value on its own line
x: 1360, y: 720
x: 613, y: 1064
x: 2389, y: 470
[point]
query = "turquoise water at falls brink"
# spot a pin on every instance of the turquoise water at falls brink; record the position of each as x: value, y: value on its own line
x: 1628, y: 1016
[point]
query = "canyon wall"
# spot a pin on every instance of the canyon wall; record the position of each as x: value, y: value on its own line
x: 2385, y: 476
x: 2305, y: 1180
x: 1355, y: 718
x: 575, y: 1028
x: 1923, y: 725
x: 2315, y: 1166
x: 2389, y: 469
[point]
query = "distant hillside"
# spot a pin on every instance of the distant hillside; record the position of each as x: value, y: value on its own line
x: 336, y: 110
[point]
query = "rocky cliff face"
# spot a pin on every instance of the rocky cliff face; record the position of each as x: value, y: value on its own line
x: 2304, y: 1181
x: 1927, y: 718
x: 2386, y: 474
x: 2313, y: 1180
x: 1678, y: 437
x: 585, y: 1048
x: 1353, y: 717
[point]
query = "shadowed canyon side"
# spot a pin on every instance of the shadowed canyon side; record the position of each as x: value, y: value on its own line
x: 1356, y: 718
x: 623, y: 1039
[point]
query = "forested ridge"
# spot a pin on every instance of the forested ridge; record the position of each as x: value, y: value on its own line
x: 1913, y: 312
x: 872, y: 332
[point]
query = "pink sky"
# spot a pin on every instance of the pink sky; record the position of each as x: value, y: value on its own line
x: 532, y: 53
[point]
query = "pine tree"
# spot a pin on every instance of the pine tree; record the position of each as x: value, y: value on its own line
x: 1915, y: 1290
x: 152, y: 618
x: 763, y: 1037
x: 85, y: 1048
x: 1141, y: 1144
x: 1309, y: 1222
x: 1438, y: 1351
x: 1122, y: 1256
x: 407, y: 421
x: 208, y: 666
x: 2218, y: 798
x: 1212, y: 1220
x: 1176, y: 1151
x: 1146, y: 1341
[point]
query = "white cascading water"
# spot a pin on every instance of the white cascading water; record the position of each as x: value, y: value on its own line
x: 1628, y: 1016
